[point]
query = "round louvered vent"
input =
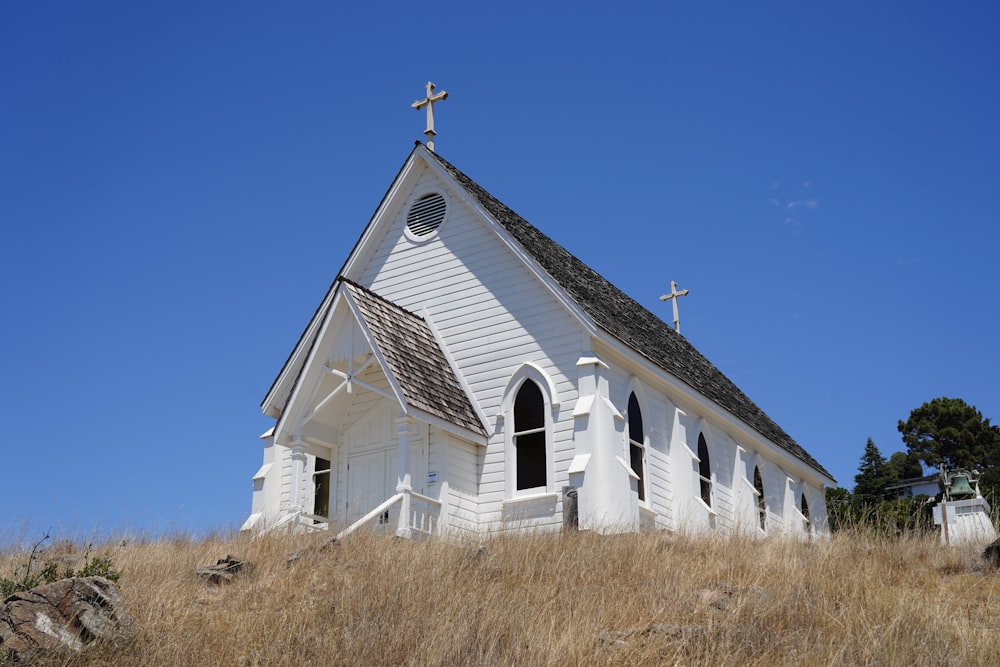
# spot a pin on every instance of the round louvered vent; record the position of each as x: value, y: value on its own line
x: 426, y: 214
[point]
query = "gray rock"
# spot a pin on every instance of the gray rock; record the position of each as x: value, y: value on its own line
x: 66, y: 614
x: 224, y: 570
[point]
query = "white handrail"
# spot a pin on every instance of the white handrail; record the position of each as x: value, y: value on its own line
x: 426, y: 499
x: 370, y: 516
x: 281, y: 522
x: 297, y: 517
x: 315, y: 517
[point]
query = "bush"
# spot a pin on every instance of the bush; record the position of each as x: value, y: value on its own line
x: 99, y: 567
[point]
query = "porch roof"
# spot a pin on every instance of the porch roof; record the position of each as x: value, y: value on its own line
x: 415, y: 360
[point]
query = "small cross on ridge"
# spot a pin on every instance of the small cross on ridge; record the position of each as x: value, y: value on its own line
x: 428, y: 102
x: 674, y: 295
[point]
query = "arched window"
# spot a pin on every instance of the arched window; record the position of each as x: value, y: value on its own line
x: 704, y: 470
x: 529, y: 438
x: 637, y: 444
x: 804, y: 508
x: 758, y: 486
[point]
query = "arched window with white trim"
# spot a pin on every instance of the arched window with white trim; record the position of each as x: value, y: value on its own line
x: 758, y: 487
x: 529, y: 438
x: 804, y: 508
x: 704, y: 470
x: 527, y: 413
x: 637, y: 444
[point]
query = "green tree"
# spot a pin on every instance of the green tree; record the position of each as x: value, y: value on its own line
x: 840, y: 509
x: 903, y: 465
x: 949, y: 431
x: 873, y: 475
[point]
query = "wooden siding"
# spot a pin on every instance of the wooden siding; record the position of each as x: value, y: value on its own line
x: 723, y: 451
x: 457, y: 464
x: 673, y: 476
x: 493, y: 315
x: 284, y: 461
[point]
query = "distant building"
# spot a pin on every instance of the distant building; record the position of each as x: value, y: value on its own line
x: 465, y: 374
x: 928, y: 485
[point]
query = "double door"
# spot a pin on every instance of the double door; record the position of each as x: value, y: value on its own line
x: 371, y: 479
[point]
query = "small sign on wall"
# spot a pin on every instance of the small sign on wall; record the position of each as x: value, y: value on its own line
x: 432, y: 478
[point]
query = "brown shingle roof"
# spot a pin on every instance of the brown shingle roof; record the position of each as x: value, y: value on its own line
x: 415, y: 360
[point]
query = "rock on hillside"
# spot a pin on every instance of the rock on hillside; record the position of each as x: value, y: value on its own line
x: 70, y: 613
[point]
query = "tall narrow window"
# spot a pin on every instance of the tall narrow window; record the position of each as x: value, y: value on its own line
x: 321, y: 488
x: 704, y: 470
x: 529, y: 437
x: 806, y: 523
x: 636, y: 444
x: 758, y: 486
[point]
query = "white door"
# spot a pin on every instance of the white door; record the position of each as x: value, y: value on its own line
x: 366, y: 482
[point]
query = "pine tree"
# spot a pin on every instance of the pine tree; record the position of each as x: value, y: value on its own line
x: 873, y: 475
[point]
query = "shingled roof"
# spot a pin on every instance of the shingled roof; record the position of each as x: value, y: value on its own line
x: 415, y: 360
x: 623, y: 317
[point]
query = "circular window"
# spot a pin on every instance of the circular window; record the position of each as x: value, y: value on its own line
x: 426, y: 214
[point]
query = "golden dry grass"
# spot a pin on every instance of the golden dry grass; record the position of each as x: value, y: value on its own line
x: 570, y: 599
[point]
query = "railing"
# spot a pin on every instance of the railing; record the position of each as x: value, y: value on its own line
x: 418, y: 514
x: 371, y: 516
x: 424, y: 513
x: 302, y: 520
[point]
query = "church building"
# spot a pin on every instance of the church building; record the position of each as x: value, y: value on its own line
x: 466, y: 375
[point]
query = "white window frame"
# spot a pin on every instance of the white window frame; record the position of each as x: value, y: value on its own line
x: 760, y: 500
x: 807, y: 523
x: 634, y: 388
x: 711, y: 478
x: 315, y: 474
x: 529, y: 371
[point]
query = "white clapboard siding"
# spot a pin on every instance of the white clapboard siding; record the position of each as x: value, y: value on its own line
x: 723, y: 460
x: 661, y: 488
x: 284, y: 461
x: 458, y: 465
x: 657, y: 416
x: 772, y: 477
x: 745, y: 518
x: 493, y: 315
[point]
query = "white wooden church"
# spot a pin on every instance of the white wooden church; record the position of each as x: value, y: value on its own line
x: 465, y: 374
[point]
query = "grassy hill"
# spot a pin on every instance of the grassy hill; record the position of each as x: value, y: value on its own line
x: 573, y: 599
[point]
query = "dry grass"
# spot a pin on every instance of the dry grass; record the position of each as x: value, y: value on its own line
x: 573, y: 599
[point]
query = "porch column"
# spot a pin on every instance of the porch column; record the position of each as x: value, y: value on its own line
x: 403, y: 482
x: 298, y: 472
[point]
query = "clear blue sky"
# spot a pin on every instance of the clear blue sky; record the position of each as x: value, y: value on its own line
x: 179, y: 184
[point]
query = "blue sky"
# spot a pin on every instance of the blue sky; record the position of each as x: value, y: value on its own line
x: 180, y: 183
